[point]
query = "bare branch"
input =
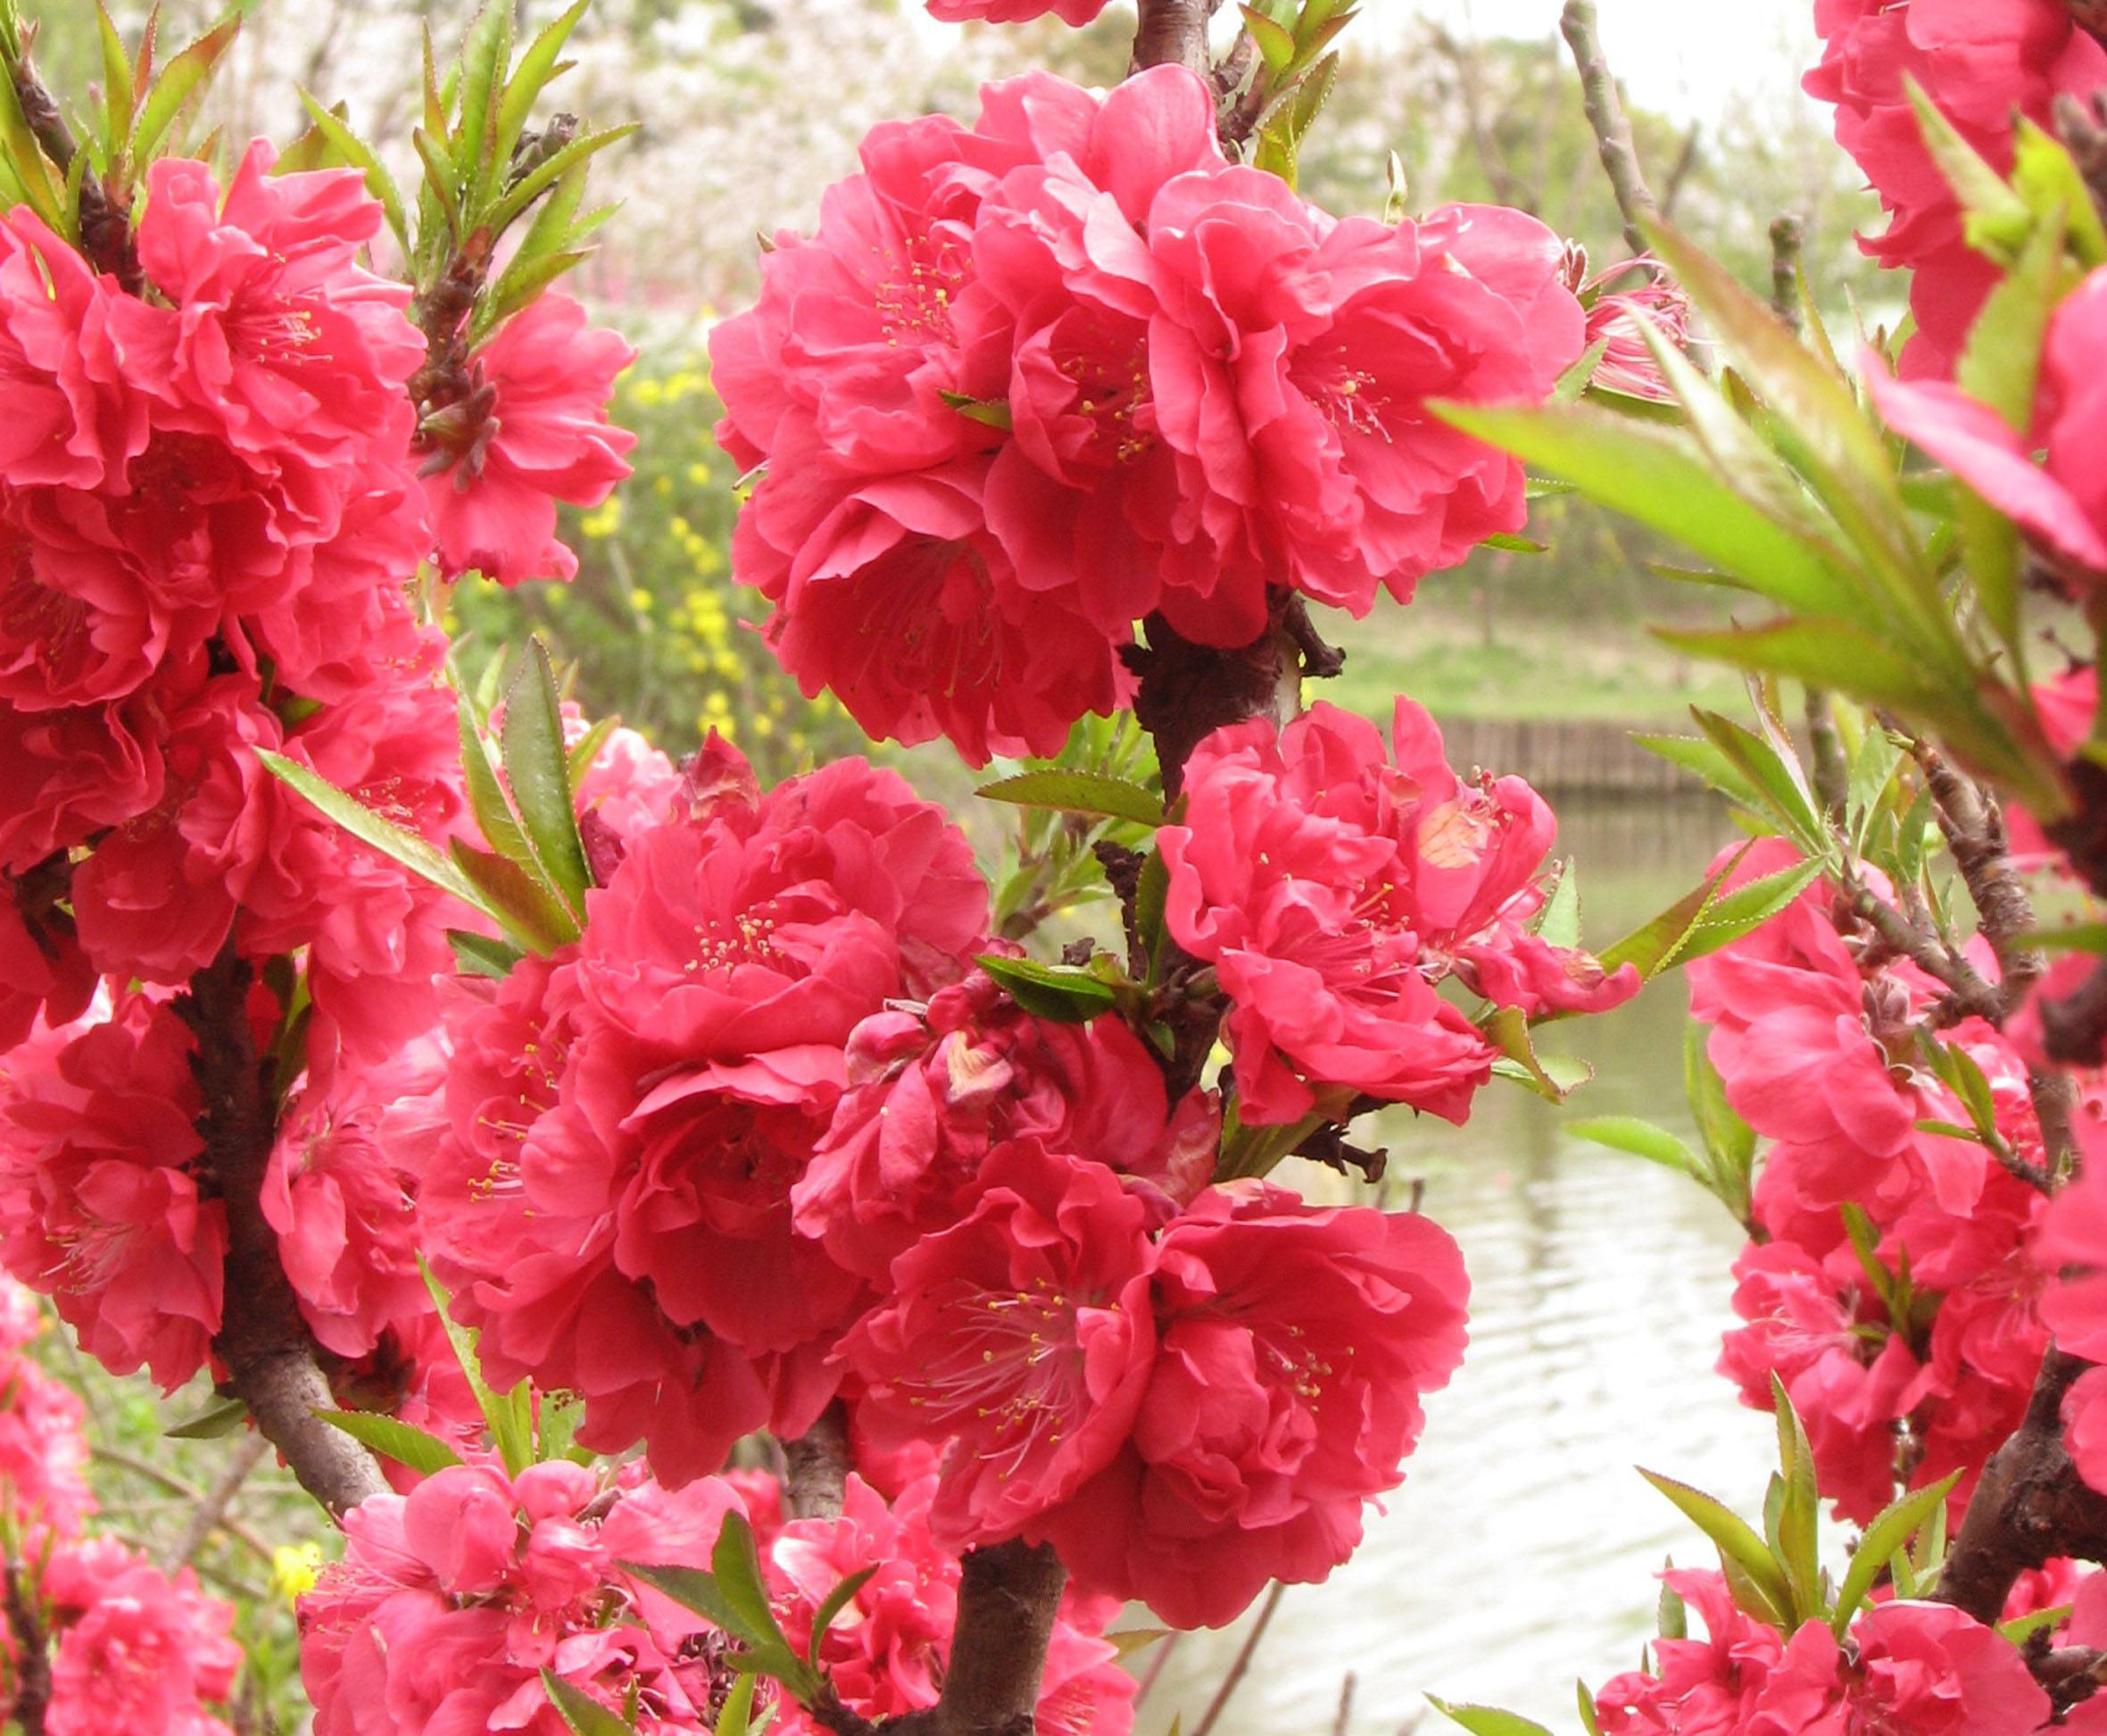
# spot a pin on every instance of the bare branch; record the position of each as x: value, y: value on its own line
x: 1608, y: 122
x: 262, y: 1338
x: 817, y: 1466
x: 210, y: 1510
x: 1172, y: 33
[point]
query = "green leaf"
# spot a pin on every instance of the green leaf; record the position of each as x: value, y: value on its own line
x: 27, y: 163
x: 538, y: 771
x: 394, y: 1439
x: 1559, y: 921
x: 209, y: 1423
x: 119, y: 96
x: 1707, y: 762
x: 2069, y: 937
x: 1079, y: 793
x: 991, y: 412
x: 1731, y: 1535
x: 585, y: 1716
x: 413, y: 852
x: 1659, y: 477
x: 529, y: 907
x: 831, y: 1606
x: 694, y: 1591
x: 1485, y: 1720
x: 1276, y: 45
x: 1587, y: 1707
x: 736, y: 1719
x: 494, y: 815
x: 1152, y: 894
x: 1796, y: 1542
x: 2047, y: 177
x: 1554, y: 1078
x: 1639, y: 1139
x: 737, y: 1563
x: 486, y: 52
x: 537, y: 66
x: 1128, y: 1641
x: 1729, y: 1141
x: 354, y: 153
x: 502, y: 1415
x: 1060, y: 993
x: 1780, y: 779
x: 480, y: 956
x: 2023, y: 1628
x: 1708, y: 918
x: 585, y: 750
x: 530, y: 186
x: 179, y: 80
x: 1671, y: 1616
x: 1993, y: 210
x: 1889, y: 1533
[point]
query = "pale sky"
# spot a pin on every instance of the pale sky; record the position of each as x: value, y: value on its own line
x: 1687, y: 58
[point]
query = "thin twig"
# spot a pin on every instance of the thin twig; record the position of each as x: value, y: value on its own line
x: 1973, y: 995
x: 187, y: 1493
x: 1241, y: 1662
x: 209, y: 1513
x: 1343, y: 1723
x: 1607, y: 121
x: 1156, y: 1665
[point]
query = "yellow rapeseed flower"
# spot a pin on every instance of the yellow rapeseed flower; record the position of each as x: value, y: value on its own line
x: 293, y: 1569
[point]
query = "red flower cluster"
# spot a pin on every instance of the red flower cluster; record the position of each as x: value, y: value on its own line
x: 1928, y: 1366
x: 1332, y: 885
x: 1185, y: 1415
x: 1034, y: 381
x: 763, y: 1134
x: 1980, y: 63
x: 1923, y: 1668
x: 611, y: 1198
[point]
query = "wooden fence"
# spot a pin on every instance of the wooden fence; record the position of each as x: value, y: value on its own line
x: 1570, y: 757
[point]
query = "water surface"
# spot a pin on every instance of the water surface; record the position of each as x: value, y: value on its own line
x: 1519, y: 1554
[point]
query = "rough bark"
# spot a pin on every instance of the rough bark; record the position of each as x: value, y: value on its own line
x: 817, y: 1467
x: 1173, y: 33
x: 2030, y: 1507
x: 262, y: 1339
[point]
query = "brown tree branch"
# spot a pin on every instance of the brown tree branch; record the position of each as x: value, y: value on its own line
x: 262, y: 1339
x: 32, y: 1663
x: 1240, y: 1664
x: 1173, y: 33
x: 2030, y: 1507
x: 817, y: 1467
x: 1607, y: 121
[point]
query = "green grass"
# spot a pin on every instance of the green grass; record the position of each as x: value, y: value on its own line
x: 1534, y: 668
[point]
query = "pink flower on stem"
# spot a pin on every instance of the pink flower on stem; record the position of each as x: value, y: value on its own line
x: 1332, y: 886
x: 1293, y: 1347
x: 1024, y: 1333
x: 137, y: 1650
x: 102, y: 1212
x: 533, y: 431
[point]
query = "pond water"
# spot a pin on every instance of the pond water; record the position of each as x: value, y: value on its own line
x: 1520, y: 1551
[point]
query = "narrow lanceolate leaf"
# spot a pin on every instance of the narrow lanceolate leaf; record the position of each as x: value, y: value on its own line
x: 525, y: 904
x: 537, y: 66
x: 210, y: 1423
x: 832, y: 1604
x: 118, y: 91
x: 538, y: 770
x: 1485, y: 1720
x: 1736, y: 1542
x: 394, y: 1439
x: 694, y: 1591
x: 737, y: 1563
x: 1080, y: 793
x: 1662, y: 477
x: 486, y: 52
x: 481, y: 956
x: 736, y: 1719
x: 531, y: 186
x: 1796, y: 1543
x: 1885, y: 1538
x: 420, y: 857
x: 585, y: 1716
x: 1060, y: 993
x: 1553, y: 1077
x: 354, y: 153
x: 1638, y: 1139
x: 500, y: 1414
x: 179, y: 80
